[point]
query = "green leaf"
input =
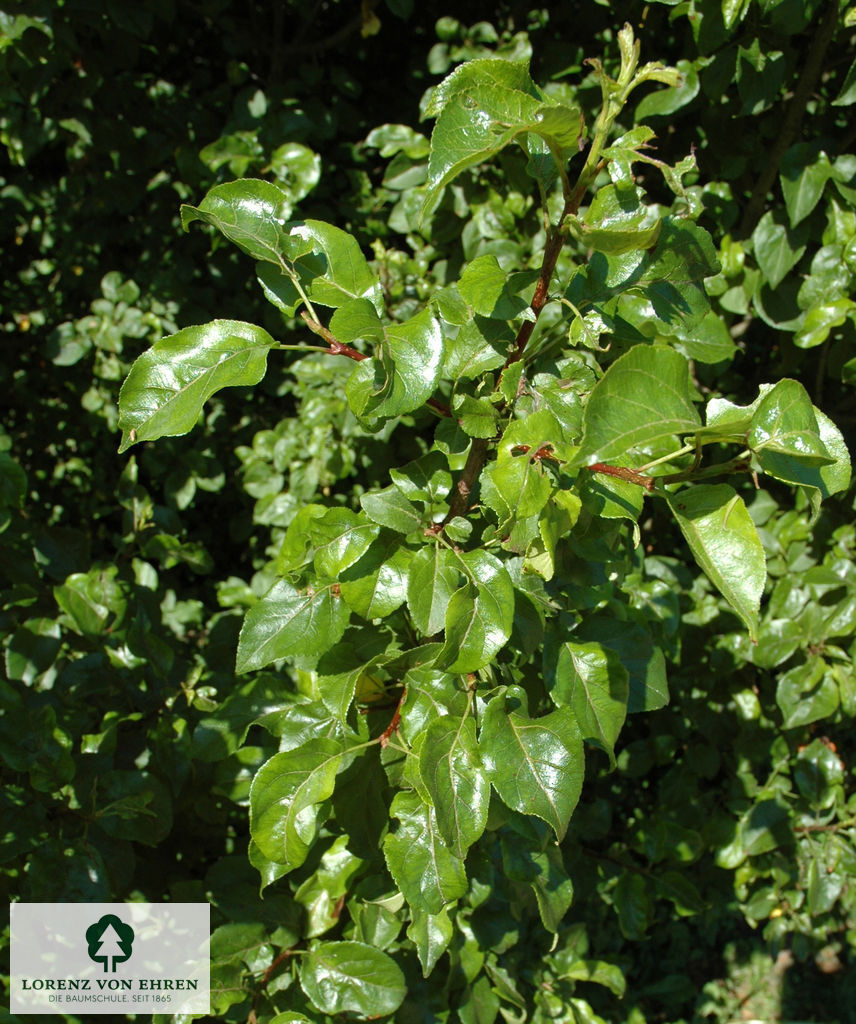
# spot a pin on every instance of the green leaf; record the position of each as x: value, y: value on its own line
x: 534, y: 764
x: 632, y: 902
x: 484, y: 286
x: 376, y: 585
x: 427, y: 873
x: 90, y: 599
x: 451, y: 770
x: 404, y: 372
x: 167, y: 386
x: 784, y: 429
x: 643, y: 397
x: 479, y: 616
x: 320, y: 893
x: 477, y: 417
x: 679, y: 890
x: 357, y: 320
x: 823, y: 480
x: 391, y: 508
x: 433, y: 577
x: 286, y: 622
x: 525, y: 858
x: 479, y: 1003
x: 32, y: 649
x: 425, y: 479
x: 517, y: 484
x: 341, y: 537
x: 249, y: 212
x: 480, y: 345
x: 284, y: 799
x: 820, y: 320
x: 598, y: 971
x: 643, y: 659
x: 667, y: 101
x: 297, y: 168
x: 617, y: 221
x: 332, y: 266
x: 807, y: 693
x: 672, y: 276
x: 342, y: 977
x: 431, y: 934
x: 775, y: 250
x: 592, y: 681
x: 483, y: 106
x: 803, y: 174
x: 725, y: 544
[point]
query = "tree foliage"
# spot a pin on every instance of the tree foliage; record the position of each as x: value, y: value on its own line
x: 472, y: 623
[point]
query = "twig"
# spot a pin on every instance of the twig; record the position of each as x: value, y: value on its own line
x: 394, y: 724
x: 461, y: 496
x: 623, y: 473
x: 552, y: 249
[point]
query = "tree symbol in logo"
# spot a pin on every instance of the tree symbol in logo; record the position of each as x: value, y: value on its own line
x: 109, y: 941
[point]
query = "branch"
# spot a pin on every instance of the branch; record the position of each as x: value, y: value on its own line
x: 792, y: 120
x: 554, y: 245
x: 461, y: 496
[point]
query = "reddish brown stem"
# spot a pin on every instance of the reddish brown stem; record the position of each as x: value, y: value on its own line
x: 394, y: 724
x: 461, y: 496
x: 284, y: 955
x: 623, y: 473
x: 554, y: 245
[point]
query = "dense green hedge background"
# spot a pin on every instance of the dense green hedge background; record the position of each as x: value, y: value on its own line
x: 126, y: 741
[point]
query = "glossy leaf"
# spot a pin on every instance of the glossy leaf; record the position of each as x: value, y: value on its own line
x: 484, y: 286
x: 483, y: 106
x: 342, y: 977
x: 376, y: 585
x: 431, y: 934
x: 433, y: 577
x: 725, y: 544
x: 648, y: 689
x: 479, y: 615
x: 618, y: 222
x: 784, y: 424
x: 592, y: 681
x: 451, y: 771
x: 284, y: 798
x: 535, y: 764
x: 643, y: 397
x: 251, y: 213
x: 775, y: 249
x: 167, y: 386
x: 517, y: 484
x: 428, y: 874
x: 392, y: 509
x: 332, y: 265
x: 403, y: 373
x: 341, y: 538
x: 287, y: 622
x: 803, y: 176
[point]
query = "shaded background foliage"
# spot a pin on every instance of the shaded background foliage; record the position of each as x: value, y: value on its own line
x: 127, y: 741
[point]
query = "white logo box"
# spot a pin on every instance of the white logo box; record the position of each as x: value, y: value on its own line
x: 110, y: 958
